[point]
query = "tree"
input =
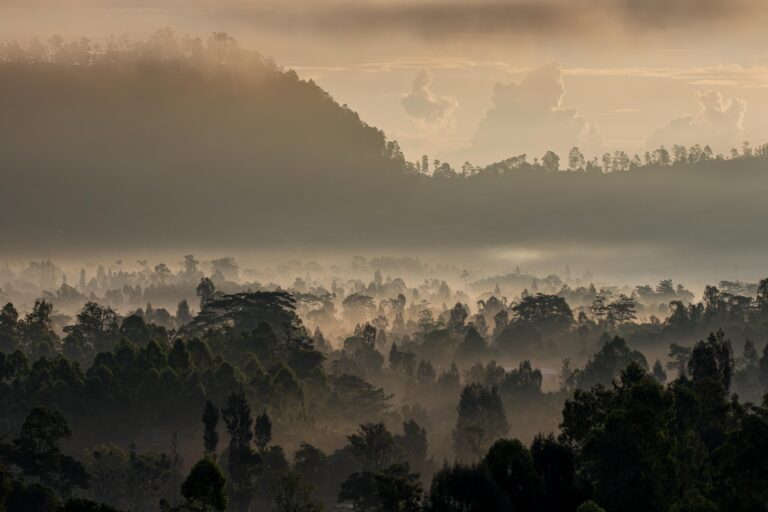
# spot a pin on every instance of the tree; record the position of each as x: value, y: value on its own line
x: 183, y: 314
x: 555, y: 463
x: 262, y: 314
x: 293, y: 494
x: 210, y: 425
x: 360, y: 489
x: 590, y: 506
x: 461, y: 488
x: 622, y: 310
x: 548, y: 313
x: 358, y: 307
x: 97, y: 327
x: 680, y: 154
x: 262, y: 431
x: 713, y: 359
x: 203, y: 488
x: 575, y: 159
x: 31, y: 497
x: 311, y: 463
x: 550, y: 161
x: 659, y: 373
x: 393, y: 488
x: 679, y: 357
x: 608, y: 363
x: 237, y: 418
x: 147, y: 476
x: 37, y: 453
x: 9, y: 328
x: 398, y: 489
x: 762, y: 295
x: 458, y: 316
x: 740, y: 467
x: 205, y: 290
x: 36, y: 329
x: 599, y: 308
x: 511, y: 466
x: 413, y: 444
x: 627, y: 446
x: 472, y: 347
x: 373, y: 446
x: 107, y: 466
x: 83, y: 505
x: 693, y: 501
x: 481, y: 421
x: 750, y: 353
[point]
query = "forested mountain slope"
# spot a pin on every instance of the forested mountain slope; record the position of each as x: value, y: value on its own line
x: 177, y: 141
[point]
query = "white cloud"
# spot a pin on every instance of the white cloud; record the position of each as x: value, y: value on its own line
x: 529, y: 117
x: 427, y: 108
x: 720, y: 74
x: 718, y: 123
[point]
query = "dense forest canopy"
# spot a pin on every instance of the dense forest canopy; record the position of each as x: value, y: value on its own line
x: 512, y: 392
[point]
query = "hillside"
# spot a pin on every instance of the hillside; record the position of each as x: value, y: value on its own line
x: 171, y: 138
x: 182, y: 143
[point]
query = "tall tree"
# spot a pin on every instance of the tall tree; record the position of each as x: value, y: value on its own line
x: 210, y: 426
x: 481, y: 421
x: 262, y: 431
x: 203, y: 489
x: 373, y: 446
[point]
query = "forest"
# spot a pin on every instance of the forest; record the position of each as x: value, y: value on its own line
x: 511, y: 392
x: 338, y: 374
x: 288, y: 167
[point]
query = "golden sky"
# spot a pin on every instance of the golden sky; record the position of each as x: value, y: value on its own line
x: 482, y: 80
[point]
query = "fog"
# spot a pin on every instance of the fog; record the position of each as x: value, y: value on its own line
x: 160, y: 146
x: 224, y: 289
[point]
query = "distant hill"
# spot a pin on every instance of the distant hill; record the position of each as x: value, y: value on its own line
x: 172, y: 138
x: 184, y: 143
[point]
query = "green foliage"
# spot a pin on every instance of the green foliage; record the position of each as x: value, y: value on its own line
x: 31, y: 497
x: 555, y: 463
x: 262, y: 432
x: 511, y: 467
x: 36, y: 452
x: 548, y: 313
x: 590, y: 506
x: 393, y: 488
x: 461, y: 488
x: 210, y: 424
x: 247, y: 310
x: 147, y: 476
x: 83, y: 505
x: 694, y: 501
x: 608, y: 363
x: 294, y: 494
x: 373, y: 446
x: 481, y: 421
x: 203, y: 488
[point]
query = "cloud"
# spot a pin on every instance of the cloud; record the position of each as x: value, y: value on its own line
x: 720, y: 74
x: 718, y: 123
x: 529, y: 117
x: 426, y: 108
x: 443, y: 19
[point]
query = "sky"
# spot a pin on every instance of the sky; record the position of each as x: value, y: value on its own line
x: 480, y: 81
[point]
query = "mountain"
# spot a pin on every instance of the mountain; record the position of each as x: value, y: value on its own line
x: 181, y: 143
x: 174, y: 139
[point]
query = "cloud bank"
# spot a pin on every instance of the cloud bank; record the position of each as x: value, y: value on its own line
x: 719, y: 123
x: 529, y: 117
x: 443, y: 19
x: 427, y: 108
